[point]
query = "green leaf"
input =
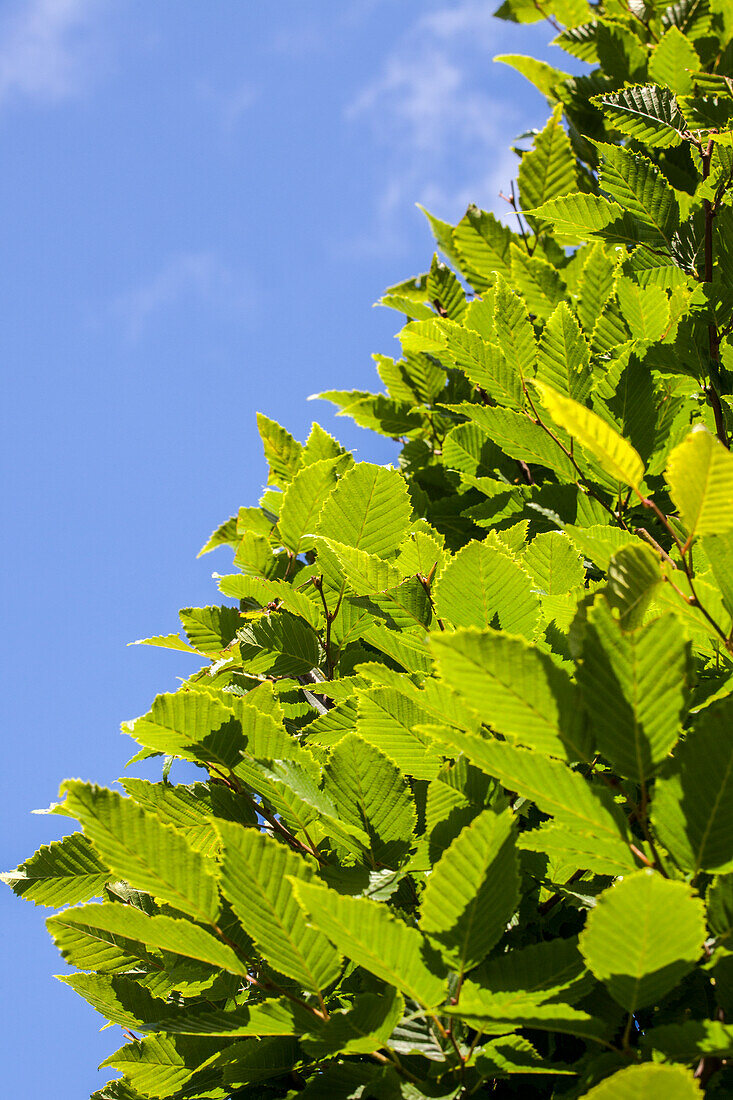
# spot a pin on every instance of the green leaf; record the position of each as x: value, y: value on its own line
x: 371, y: 794
x: 617, y: 457
x: 548, y: 169
x: 387, y: 720
x: 692, y: 801
x: 641, y: 189
x: 520, y: 438
x: 361, y: 1029
x: 524, y: 695
x: 634, y: 685
x: 644, y: 308
x: 645, y: 112
x: 634, y: 574
x: 514, y: 332
x: 224, y: 535
x: 653, y: 1082
x: 539, y: 283
x: 673, y: 60
x: 483, y: 364
x: 482, y: 586
x: 210, y: 629
x: 564, y: 356
x: 553, y: 563
x: 160, y: 1065
x: 445, y: 291
x: 700, y: 478
x: 668, y: 926
x: 139, y: 848
x: 274, y: 1016
x: 279, y: 644
x: 283, y: 453
x: 473, y: 890
x: 303, y: 500
x: 585, y: 216
x: 61, y: 873
x: 596, y: 285
x: 691, y: 1040
x: 482, y: 243
x: 556, y: 790
x: 103, y: 932
x: 543, y: 76
x: 368, y: 509
x: 186, y: 723
x: 121, y: 1000
x: 372, y: 937
x: 255, y: 876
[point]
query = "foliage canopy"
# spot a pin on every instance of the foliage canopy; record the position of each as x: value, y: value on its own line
x: 464, y: 823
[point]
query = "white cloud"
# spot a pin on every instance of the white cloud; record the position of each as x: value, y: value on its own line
x: 45, y: 49
x: 189, y: 279
x: 442, y: 132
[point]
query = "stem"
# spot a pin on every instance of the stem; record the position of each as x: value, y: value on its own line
x: 426, y: 587
x: 330, y: 663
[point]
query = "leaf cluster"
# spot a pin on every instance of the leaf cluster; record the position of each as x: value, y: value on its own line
x: 463, y: 825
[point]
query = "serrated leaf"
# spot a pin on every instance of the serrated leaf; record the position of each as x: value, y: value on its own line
x: 123, y: 926
x: 615, y: 454
x: 482, y: 244
x: 645, y: 112
x: 255, y: 876
x: 482, y: 586
x: 596, y: 285
x: 513, y: 329
x: 370, y: 793
x: 668, y: 933
x: 634, y: 575
x: 543, y: 76
x: 585, y: 216
x: 539, y: 283
x: 62, y: 873
x: 548, y: 169
x: 303, y: 500
x: 369, y: 509
x: 692, y: 799
x: 283, y: 453
x: 160, y: 1065
x: 387, y: 720
x: 700, y: 478
x: 653, y: 1082
x: 372, y: 937
x: 564, y: 356
x: 553, y: 563
x: 634, y: 684
x: 484, y: 364
x: 143, y: 851
x: 644, y: 308
x: 210, y: 629
x: 361, y: 1029
x: 639, y: 187
x: 225, y: 534
x: 520, y: 438
x: 279, y: 644
x: 472, y: 890
x: 557, y: 790
x: 522, y: 693
x: 445, y: 291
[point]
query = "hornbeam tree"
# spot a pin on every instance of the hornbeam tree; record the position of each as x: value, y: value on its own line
x: 464, y: 725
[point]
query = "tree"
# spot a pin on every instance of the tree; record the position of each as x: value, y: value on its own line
x: 464, y: 822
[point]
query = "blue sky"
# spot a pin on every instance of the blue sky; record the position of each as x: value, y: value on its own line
x: 198, y: 204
